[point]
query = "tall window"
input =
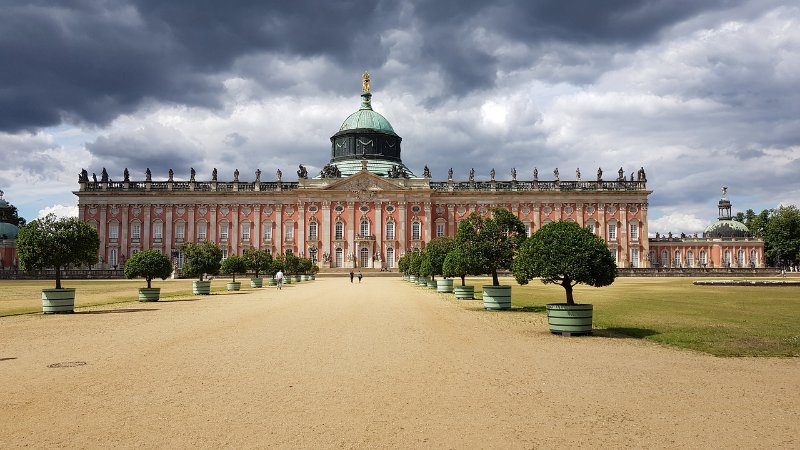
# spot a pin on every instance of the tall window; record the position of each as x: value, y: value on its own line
x: 180, y: 260
x: 136, y: 231
x: 740, y: 258
x: 289, y: 231
x: 439, y: 229
x: 389, y: 258
x: 690, y: 259
x: 753, y: 258
x: 113, y: 230
x: 268, y: 231
x: 389, y: 230
x: 201, y: 231
x: 415, y: 231
x: 634, y: 230
x: 727, y: 258
x: 223, y: 230
x: 312, y: 231
x: 677, y: 258
x: 224, y: 252
x: 664, y: 259
x: 112, y: 256
x: 364, y: 254
x: 703, y: 260
x: 612, y: 231
x: 338, y: 232
x: 339, y: 257
x: 528, y: 229
x: 364, y: 227
x: 634, y: 257
x: 158, y: 231
x: 245, y: 231
x: 180, y: 231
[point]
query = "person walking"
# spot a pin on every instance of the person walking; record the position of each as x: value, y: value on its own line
x: 351, y: 276
x: 279, y: 279
x: 359, y: 277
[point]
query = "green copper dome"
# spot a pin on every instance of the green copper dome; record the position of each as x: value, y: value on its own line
x: 726, y: 228
x: 8, y: 231
x: 366, y: 118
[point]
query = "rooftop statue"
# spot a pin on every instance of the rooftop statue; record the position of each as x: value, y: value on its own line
x: 148, y: 176
x: 171, y: 174
x: 236, y: 175
x: 513, y: 174
x: 578, y: 174
x: 104, y: 176
x: 126, y: 176
x: 192, y: 173
x: 258, y: 175
x: 535, y: 174
x: 83, y: 177
x: 214, y: 174
x: 302, y: 172
x: 555, y: 173
x: 279, y: 174
x: 331, y: 171
x: 472, y: 174
x: 365, y: 83
x: 426, y: 172
x: 450, y: 174
x: 94, y: 177
x: 621, y: 175
x: 599, y: 174
x: 492, y: 173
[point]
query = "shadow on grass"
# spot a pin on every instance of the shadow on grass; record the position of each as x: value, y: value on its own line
x: 624, y: 332
x: 116, y: 311
x: 533, y: 309
x: 179, y: 300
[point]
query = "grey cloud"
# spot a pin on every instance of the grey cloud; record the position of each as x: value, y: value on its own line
x: 235, y: 140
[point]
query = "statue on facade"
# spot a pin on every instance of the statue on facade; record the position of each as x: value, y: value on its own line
x: 426, y: 172
x: 631, y: 176
x: 171, y: 175
x: 302, y: 172
x: 513, y: 174
x: 555, y: 173
x: 491, y: 174
x: 83, y: 177
x: 148, y: 176
x: 331, y: 171
x: 642, y: 176
x: 535, y: 174
x: 450, y: 174
x: 599, y: 174
x: 365, y: 83
x: 236, y: 175
x: 279, y: 174
x: 621, y: 174
x: 104, y: 176
x: 126, y: 176
x: 258, y: 175
x: 578, y: 174
x: 214, y: 174
x: 94, y: 177
x: 472, y: 174
x: 192, y: 173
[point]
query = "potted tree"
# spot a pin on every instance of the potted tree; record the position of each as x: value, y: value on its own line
x: 199, y: 260
x: 278, y: 265
x: 258, y: 261
x: 567, y: 254
x: 314, y: 270
x: 305, y: 269
x: 402, y: 266
x: 55, y: 243
x: 232, y: 265
x: 496, y: 241
x: 148, y: 264
x: 435, y: 252
x: 426, y: 272
x: 291, y: 264
x: 460, y: 262
x: 414, y: 263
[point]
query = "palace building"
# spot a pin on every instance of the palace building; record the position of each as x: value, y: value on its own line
x: 364, y: 209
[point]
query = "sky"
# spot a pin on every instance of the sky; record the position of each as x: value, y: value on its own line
x: 701, y: 94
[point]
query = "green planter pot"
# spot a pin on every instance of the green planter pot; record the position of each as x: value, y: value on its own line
x: 297, y: 278
x: 287, y: 280
x: 272, y: 282
x: 256, y: 282
x: 444, y: 285
x: 201, y: 287
x: 58, y: 301
x: 432, y: 284
x: 422, y: 281
x: 497, y: 297
x: 464, y: 292
x: 305, y: 278
x: 149, y: 294
x: 234, y: 286
x: 313, y: 277
x: 412, y: 278
x: 569, y: 319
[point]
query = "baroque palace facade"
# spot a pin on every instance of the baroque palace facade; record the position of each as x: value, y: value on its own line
x: 365, y: 209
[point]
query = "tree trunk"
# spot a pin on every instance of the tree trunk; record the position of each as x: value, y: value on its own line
x: 58, y: 277
x: 149, y: 279
x: 463, y: 283
x: 567, y: 283
x: 234, y: 278
x: 495, y: 280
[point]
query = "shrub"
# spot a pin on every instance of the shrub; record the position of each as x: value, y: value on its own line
x: 234, y: 264
x: 199, y: 259
x: 148, y: 264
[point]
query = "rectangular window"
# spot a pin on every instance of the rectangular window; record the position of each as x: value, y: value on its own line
x: 112, y: 256
x: 201, y: 231
x: 180, y: 231
x: 289, y: 235
x: 634, y: 231
x: 268, y: 231
x: 136, y: 231
x: 180, y: 260
x: 338, y: 231
x: 246, y: 231
x: 634, y: 257
x: 390, y: 231
x: 439, y: 229
x: 612, y: 232
x: 225, y: 253
x: 223, y: 231
x: 312, y: 231
x: 113, y: 231
x: 415, y: 231
x: 527, y: 229
x: 157, y: 231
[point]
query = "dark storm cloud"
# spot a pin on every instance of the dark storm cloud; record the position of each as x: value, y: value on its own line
x: 155, y: 148
x: 89, y: 61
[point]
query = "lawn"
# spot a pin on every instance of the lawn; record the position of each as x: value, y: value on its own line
x: 25, y: 296
x: 723, y: 321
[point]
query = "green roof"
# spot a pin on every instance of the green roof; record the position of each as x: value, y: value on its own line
x: 379, y: 167
x: 726, y: 228
x: 367, y: 119
x: 9, y: 230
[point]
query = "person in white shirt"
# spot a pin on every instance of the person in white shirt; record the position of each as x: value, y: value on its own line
x: 279, y: 279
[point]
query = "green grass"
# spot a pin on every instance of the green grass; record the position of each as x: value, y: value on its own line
x: 720, y: 320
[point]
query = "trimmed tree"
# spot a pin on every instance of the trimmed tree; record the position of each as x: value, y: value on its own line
x: 460, y: 262
x: 291, y: 264
x: 199, y: 259
x: 414, y: 262
x: 51, y: 242
x: 234, y: 264
x: 277, y: 265
x: 402, y: 264
x: 435, y: 253
x: 257, y: 260
x: 425, y: 266
x: 148, y: 264
x: 567, y: 254
x: 496, y: 240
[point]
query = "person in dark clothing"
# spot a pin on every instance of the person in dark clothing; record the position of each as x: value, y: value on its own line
x: 351, y: 276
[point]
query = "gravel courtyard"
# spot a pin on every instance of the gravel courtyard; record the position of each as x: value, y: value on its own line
x: 379, y: 364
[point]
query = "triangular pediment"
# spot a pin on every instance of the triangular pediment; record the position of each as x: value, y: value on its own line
x: 366, y: 181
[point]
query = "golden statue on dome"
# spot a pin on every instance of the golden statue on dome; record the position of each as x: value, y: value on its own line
x: 365, y: 82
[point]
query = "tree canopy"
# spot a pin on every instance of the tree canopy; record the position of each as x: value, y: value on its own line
x: 258, y: 260
x: 567, y: 254
x: 496, y: 240
x: 782, y: 236
x: 148, y: 264
x: 234, y: 264
x: 414, y: 261
x: 51, y: 242
x: 291, y: 264
x: 402, y: 263
x: 460, y: 262
x: 199, y: 259
x: 435, y: 253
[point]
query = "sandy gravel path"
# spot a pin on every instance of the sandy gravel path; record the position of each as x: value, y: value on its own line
x: 383, y: 364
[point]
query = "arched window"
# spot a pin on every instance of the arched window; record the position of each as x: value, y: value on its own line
x: 158, y: 231
x: 703, y: 260
x: 612, y: 231
x: 112, y: 257
x: 267, y: 231
x: 634, y: 257
x: 338, y: 232
x: 201, y: 231
x: 664, y: 259
x: 677, y: 258
x: 288, y: 231
x: 390, y: 258
x: 245, y: 236
x: 390, y: 230
x: 740, y: 258
x: 223, y: 231
x: 312, y: 230
x: 113, y: 230
x: 634, y: 225
x: 339, y: 259
x: 727, y: 258
x: 690, y: 259
x: 364, y: 229
x: 440, y: 227
x: 136, y: 231
x: 364, y: 257
x: 180, y: 231
x: 753, y: 258
x: 415, y: 231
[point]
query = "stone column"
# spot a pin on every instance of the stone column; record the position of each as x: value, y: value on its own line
x: 351, y: 233
x: 168, y: 230
x: 301, y: 228
x: 401, y: 225
x: 601, y: 218
x: 536, y: 218
x: 101, y: 231
x: 558, y: 211
x: 123, y: 231
x: 256, y: 237
x: 451, y: 221
x: 212, y: 224
x: 234, y: 233
x: 428, y: 228
x: 326, y: 234
x: 378, y: 205
x: 190, y: 234
x: 643, y: 233
x: 146, y: 225
x: 278, y: 235
x: 579, y: 214
x: 624, y: 235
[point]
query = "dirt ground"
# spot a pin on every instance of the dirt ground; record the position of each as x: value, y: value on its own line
x: 330, y: 364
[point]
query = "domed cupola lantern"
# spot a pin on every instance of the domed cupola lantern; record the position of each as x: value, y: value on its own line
x: 726, y: 227
x: 367, y: 135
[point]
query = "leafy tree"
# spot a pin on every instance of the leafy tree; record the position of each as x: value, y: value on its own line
x: 291, y: 264
x: 436, y: 251
x: 257, y: 260
x: 277, y: 265
x: 425, y: 266
x: 199, y: 259
x: 460, y: 262
x: 567, y: 254
x: 305, y: 265
x: 234, y: 264
x: 496, y: 241
x: 414, y: 261
x: 782, y: 236
x: 10, y: 215
x: 148, y: 264
x: 50, y: 242
x: 402, y: 263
